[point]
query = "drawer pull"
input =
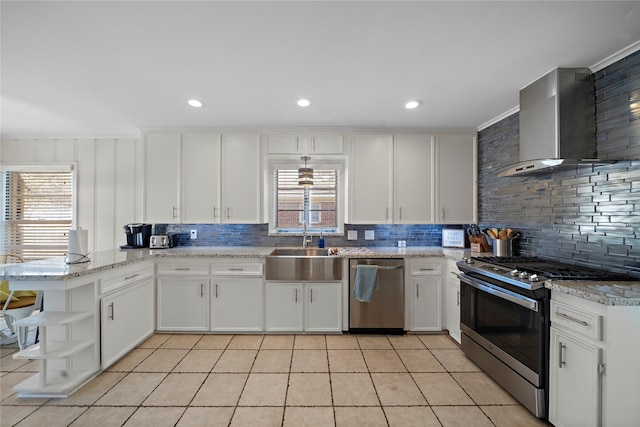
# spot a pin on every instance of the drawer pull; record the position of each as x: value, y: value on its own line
x: 572, y: 319
x: 201, y: 290
x: 236, y: 269
x: 427, y: 269
x: 113, y: 312
x: 132, y: 276
x: 182, y: 269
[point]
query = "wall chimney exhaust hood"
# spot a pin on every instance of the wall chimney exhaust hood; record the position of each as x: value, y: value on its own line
x: 557, y: 123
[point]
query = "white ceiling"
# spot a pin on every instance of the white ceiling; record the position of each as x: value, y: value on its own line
x: 93, y: 69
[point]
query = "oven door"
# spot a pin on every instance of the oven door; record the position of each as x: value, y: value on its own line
x: 506, y: 324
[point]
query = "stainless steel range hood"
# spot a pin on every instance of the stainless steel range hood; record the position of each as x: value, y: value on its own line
x: 557, y: 123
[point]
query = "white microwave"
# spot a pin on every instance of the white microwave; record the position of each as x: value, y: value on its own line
x: 453, y: 238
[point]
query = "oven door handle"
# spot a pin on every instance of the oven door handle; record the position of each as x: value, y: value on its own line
x: 500, y: 293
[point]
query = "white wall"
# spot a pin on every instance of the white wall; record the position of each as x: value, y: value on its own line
x: 106, y: 180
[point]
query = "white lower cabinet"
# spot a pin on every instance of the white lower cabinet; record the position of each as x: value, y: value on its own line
x: 574, y: 381
x: 310, y: 307
x: 424, y: 294
x: 323, y: 307
x: 452, y: 298
x: 126, y: 320
x: 183, y: 304
x: 236, y: 304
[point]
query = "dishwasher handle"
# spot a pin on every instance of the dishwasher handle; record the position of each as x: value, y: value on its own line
x: 383, y: 267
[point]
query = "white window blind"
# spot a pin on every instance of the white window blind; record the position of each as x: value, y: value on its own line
x: 37, y: 213
x: 317, y: 204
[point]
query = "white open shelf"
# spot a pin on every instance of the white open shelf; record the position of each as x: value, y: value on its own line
x: 53, y: 318
x: 60, y: 383
x: 54, y: 350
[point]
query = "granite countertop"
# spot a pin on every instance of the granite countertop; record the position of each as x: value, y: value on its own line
x: 57, y: 269
x: 603, y: 292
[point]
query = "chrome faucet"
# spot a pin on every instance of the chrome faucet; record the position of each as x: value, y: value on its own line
x: 305, y: 240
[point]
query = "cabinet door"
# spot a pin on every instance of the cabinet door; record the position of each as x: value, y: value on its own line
x: 126, y: 320
x: 161, y: 154
x: 241, y: 179
x: 456, y: 179
x: 323, y: 307
x: 414, y: 179
x: 183, y: 304
x: 370, y: 182
x: 326, y: 144
x: 283, y: 143
x: 574, y: 381
x: 200, y: 178
x: 453, y: 308
x: 237, y: 304
x: 284, y: 307
x: 426, y: 300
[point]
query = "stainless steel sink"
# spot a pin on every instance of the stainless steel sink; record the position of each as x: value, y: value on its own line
x: 300, y: 252
x: 303, y: 264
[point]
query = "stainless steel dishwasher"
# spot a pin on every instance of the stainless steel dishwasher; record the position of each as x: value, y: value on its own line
x: 384, y: 313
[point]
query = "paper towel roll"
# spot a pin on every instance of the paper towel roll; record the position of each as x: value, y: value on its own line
x: 78, y: 246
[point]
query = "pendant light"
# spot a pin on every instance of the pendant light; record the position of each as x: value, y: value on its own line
x: 305, y: 174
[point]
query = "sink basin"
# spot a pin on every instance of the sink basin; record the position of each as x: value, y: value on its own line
x: 299, y: 252
x: 303, y: 264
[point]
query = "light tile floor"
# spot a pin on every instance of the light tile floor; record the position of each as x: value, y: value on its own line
x: 275, y: 380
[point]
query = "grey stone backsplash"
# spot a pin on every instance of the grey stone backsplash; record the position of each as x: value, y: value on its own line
x: 257, y: 235
x: 589, y: 216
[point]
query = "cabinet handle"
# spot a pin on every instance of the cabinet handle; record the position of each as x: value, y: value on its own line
x: 228, y: 214
x: 572, y: 319
x: 236, y: 269
x: 311, y: 296
x: 386, y: 214
x: 175, y: 213
x: 313, y: 144
x: 417, y: 291
x: 443, y: 215
x: 113, y: 312
x: 427, y: 269
x: 132, y: 276
x: 295, y: 295
x: 458, y: 298
x: 400, y: 214
x: 297, y: 144
x: 201, y: 290
x: 216, y: 290
x: 182, y: 269
x: 214, y: 212
x: 561, y: 347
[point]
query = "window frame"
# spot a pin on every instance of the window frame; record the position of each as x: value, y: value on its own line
x: 40, y: 167
x: 295, y: 163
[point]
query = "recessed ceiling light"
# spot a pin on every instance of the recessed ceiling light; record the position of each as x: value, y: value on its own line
x: 304, y: 102
x: 195, y: 103
x: 413, y: 104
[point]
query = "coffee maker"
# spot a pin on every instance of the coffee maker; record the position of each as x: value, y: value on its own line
x: 138, y: 236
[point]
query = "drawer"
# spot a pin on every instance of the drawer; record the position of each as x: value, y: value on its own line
x: 124, y: 276
x: 577, y: 319
x: 183, y: 268
x: 425, y: 268
x: 237, y: 269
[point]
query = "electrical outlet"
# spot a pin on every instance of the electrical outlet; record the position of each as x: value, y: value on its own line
x: 369, y: 234
x: 352, y: 235
x: 194, y: 234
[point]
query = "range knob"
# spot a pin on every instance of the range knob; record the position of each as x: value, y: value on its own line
x: 467, y: 260
x: 524, y: 275
x: 534, y: 278
x: 515, y: 272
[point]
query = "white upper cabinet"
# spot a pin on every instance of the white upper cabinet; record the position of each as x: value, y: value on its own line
x: 456, y: 179
x: 161, y: 177
x: 414, y: 177
x: 241, y: 182
x: 370, y: 179
x: 200, y: 178
x: 291, y: 143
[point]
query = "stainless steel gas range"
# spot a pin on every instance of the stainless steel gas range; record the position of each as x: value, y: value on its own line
x: 504, y: 320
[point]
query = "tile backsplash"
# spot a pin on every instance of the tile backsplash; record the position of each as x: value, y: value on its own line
x: 589, y: 216
x: 257, y: 235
